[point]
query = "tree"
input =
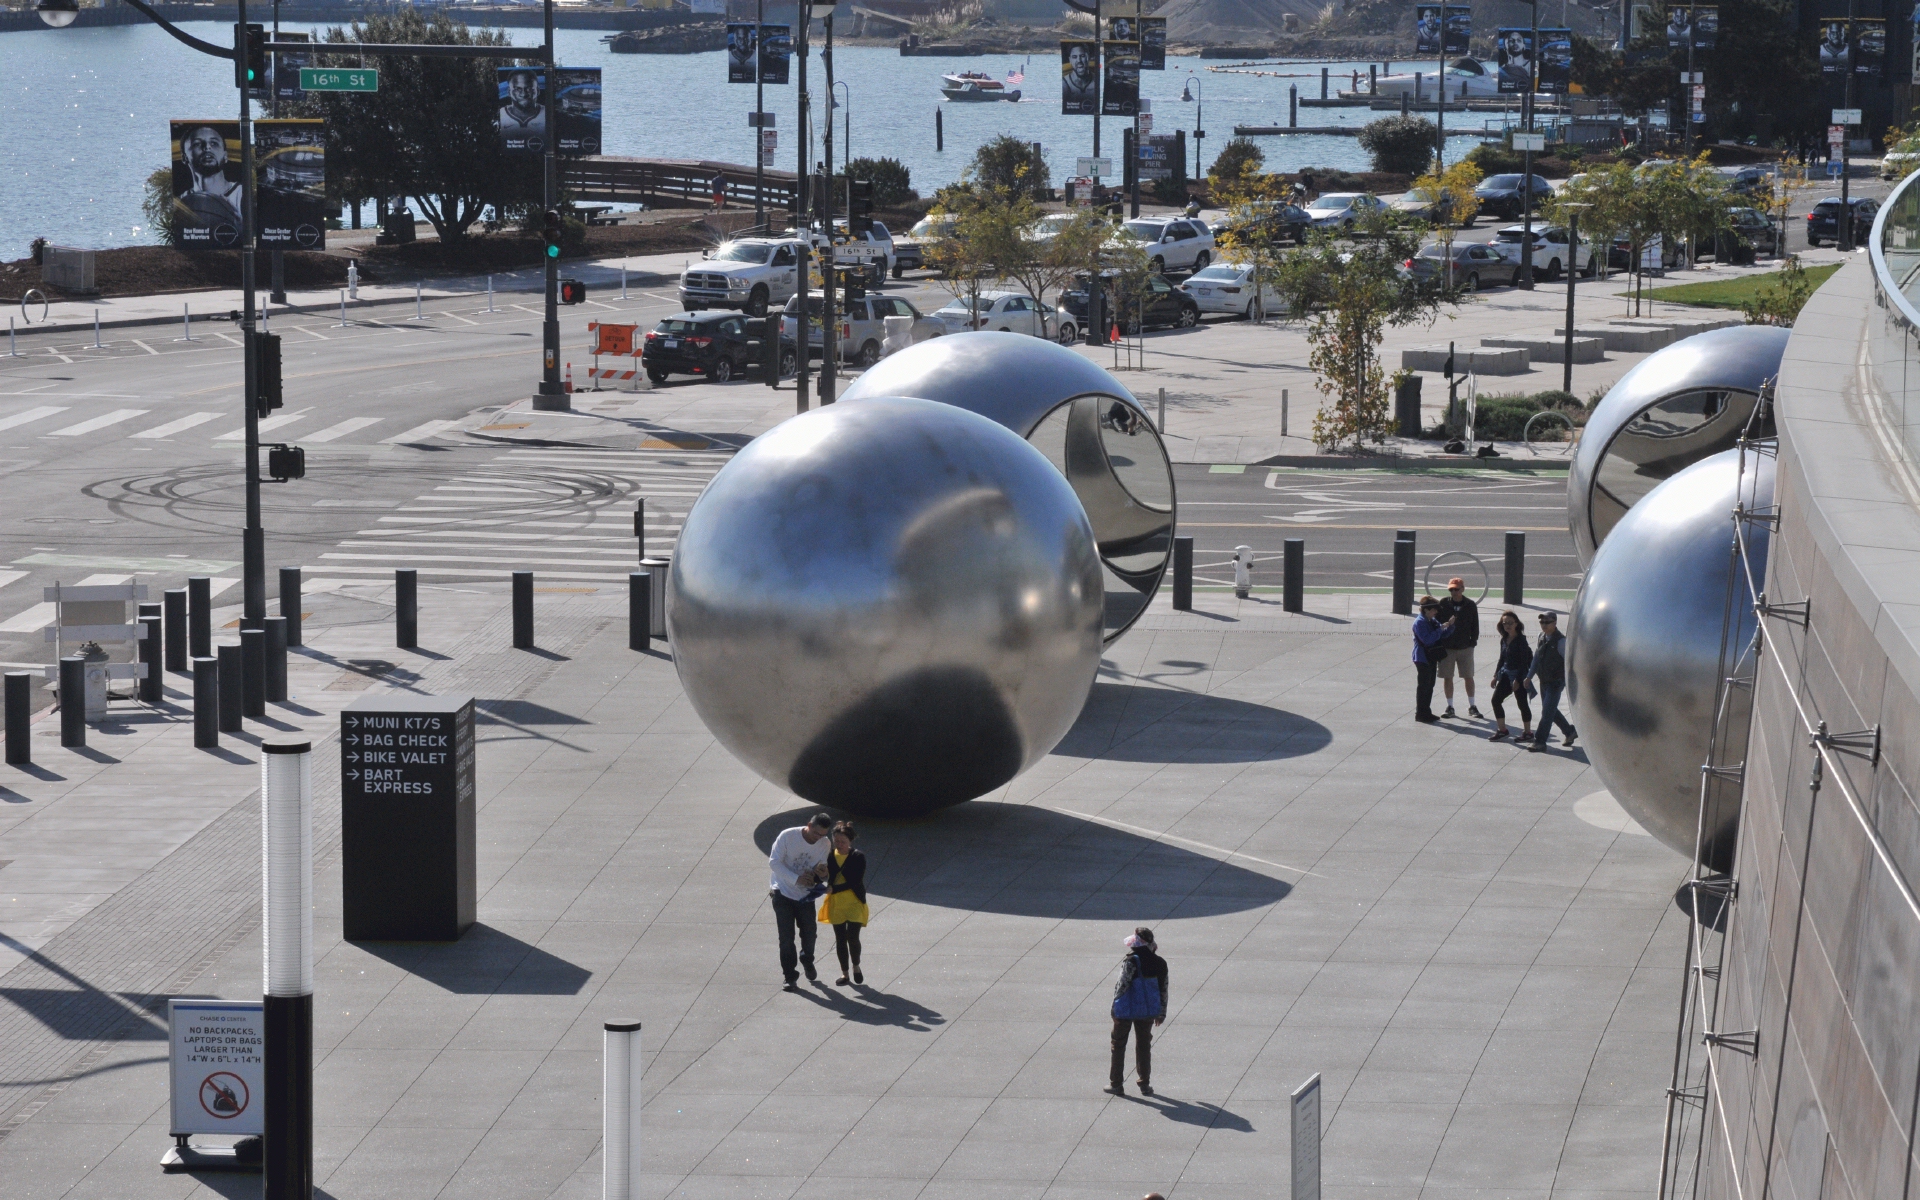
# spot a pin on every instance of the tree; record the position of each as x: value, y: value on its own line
x: 156, y: 203
x: 1009, y: 163
x: 1252, y: 236
x: 1235, y: 159
x: 1779, y: 301
x: 429, y: 133
x: 1453, y: 202
x: 1399, y: 145
x: 892, y: 183
x: 1359, y: 290
x: 1671, y: 203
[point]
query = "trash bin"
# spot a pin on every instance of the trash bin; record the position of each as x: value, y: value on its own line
x: 1406, y: 406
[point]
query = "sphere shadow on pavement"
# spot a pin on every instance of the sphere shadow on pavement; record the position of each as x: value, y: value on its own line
x: 1125, y: 722
x: 1027, y: 861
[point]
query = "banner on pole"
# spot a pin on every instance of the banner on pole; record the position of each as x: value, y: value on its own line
x: 743, y: 52
x: 1556, y: 61
x: 206, y: 183
x: 1442, y: 29
x: 291, y: 203
x: 1120, y: 95
x: 283, y: 68
x: 776, y: 53
x: 1515, y: 57
x: 576, y: 110
x: 1153, y: 43
x: 522, y: 119
x: 1079, y: 78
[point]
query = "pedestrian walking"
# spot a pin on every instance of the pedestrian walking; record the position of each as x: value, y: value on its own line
x: 799, y: 864
x: 1510, y: 677
x: 1464, y: 615
x: 1550, y: 671
x: 1139, y: 1003
x: 845, y: 905
x: 1429, y: 637
x: 719, y: 190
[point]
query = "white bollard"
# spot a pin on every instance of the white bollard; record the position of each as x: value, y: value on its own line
x: 1242, y: 571
x: 96, y: 329
x: 623, y: 281
x: 11, y: 351
x: 489, y: 293
x: 416, y: 303
x: 343, y: 308
x: 353, y: 278
x: 186, y: 323
x: 1163, y: 410
x: 286, y: 843
x: 620, y: 1114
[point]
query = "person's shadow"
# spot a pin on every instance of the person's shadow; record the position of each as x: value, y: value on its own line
x: 1187, y: 1112
x: 871, y: 1006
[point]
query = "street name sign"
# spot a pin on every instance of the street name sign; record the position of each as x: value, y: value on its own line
x: 1529, y: 141
x: 216, y: 1068
x: 339, y: 79
x: 407, y: 817
x: 1846, y: 116
x: 1093, y: 168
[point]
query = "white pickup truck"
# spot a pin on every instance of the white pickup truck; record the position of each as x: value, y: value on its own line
x: 751, y: 274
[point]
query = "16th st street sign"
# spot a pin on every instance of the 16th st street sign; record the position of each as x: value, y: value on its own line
x: 327, y: 79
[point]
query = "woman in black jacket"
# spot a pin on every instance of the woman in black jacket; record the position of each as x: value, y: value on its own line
x: 1510, y: 677
x: 845, y: 905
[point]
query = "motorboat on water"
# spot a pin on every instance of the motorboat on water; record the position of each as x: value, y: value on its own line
x: 978, y: 85
x: 1467, y: 79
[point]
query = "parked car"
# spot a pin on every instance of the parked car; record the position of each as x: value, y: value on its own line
x: 863, y: 331
x: 1228, y: 288
x: 1158, y: 304
x: 911, y: 252
x: 1823, y: 223
x: 1435, y: 208
x: 746, y: 273
x: 719, y: 345
x: 1748, y: 181
x: 1475, y: 265
x: 1550, y: 255
x: 1276, y: 217
x: 1898, y: 164
x: 1747, y: 234
x: 1011, y: 312
x: 1343, y: 210
x: 1179, y: 245
x: 1505, y: 195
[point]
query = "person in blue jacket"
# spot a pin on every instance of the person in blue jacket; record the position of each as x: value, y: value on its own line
x: 1139, y: 1003
x: 1430, y: 634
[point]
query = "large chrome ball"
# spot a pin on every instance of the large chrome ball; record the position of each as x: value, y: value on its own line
x: 1680, y: 405
x: 1663, y: 615
x: 887, y: 607
x: 1081, y: 418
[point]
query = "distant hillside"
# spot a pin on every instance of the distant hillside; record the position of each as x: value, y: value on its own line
x: 1272, y: 22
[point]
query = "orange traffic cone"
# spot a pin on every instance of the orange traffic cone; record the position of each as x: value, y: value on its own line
x: 1113, y: 334
x: 569, y: 380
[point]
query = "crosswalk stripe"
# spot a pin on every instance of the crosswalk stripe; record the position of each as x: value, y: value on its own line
x: 419, y: 433
x: 32, y: 414
x: 350, y: 425
x: 269, y: 423
x: 38, y: 617
x: 172, y: 427
x: 485, y: 574
x: 100, y: 422
x: 431, y: 545
x: 522, y: 560
x: 393, y: 537
x: 7, y: 577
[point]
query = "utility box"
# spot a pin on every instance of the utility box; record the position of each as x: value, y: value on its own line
x: 68, y: 269
x: 407, y: 818
x: 1406, y: 406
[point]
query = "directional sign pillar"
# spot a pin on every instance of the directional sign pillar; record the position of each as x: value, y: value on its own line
x: 407, y: 818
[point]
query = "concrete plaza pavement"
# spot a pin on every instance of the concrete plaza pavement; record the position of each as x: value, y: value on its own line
x: 1478, y: 954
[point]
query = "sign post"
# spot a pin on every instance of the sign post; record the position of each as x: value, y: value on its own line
x: 407, y: 818
x: 1306, y: 1140
x: 216, y: 1082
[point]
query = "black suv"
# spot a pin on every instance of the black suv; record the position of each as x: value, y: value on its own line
x: 719, y: 345
x: 1823, y: 223
x: 1746, y: 234
x: 1276, y: 218
x: 1163, y: 304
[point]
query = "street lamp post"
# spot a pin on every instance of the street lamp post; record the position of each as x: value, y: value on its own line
x: 1526, y: 168
x: 1190, y: 93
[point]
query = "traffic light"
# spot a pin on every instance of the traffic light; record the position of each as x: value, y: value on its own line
x: 249, y: 56
x: 266, y: 368
x: 572, y: 291
x: 286, y: 462
x: 552, y: 232
x: 860, y: 206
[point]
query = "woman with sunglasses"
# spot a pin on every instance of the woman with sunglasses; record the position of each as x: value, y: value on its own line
x: 845, y: 905
x: 1510, y: 677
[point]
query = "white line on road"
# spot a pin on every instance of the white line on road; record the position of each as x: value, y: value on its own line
x: 100, y: 422
x: 32, y: 414
x: 483, y: 573
x: 38, y: 617
x: 454, y: 558
x: 172, y: 427
x: 314, y: 333
x: 419, y: 433
x: 7, y: 577
x: 270, y: 423
x: 344, y: 428
x: 151, y: 350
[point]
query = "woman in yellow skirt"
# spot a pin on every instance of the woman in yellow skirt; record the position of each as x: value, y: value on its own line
x: 845, y: 905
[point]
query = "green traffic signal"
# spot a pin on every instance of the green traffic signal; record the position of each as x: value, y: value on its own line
x: 553, y: 251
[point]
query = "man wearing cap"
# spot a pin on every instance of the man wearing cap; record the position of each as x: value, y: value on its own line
x: 1549, y: 669
x: 1464, y: 615
x: 799, y: 863
x: 1139, y: 1003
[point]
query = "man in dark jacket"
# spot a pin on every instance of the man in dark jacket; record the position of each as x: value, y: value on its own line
x: 1464, y: 615
x: 1139, y: 1003
x: 1550, y: 671
x: 1429, y: 639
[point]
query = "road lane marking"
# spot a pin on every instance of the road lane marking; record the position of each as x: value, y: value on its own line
x: 350, y: 425
x: 455, y: 558
x: 7, y: 577
x: 270, y: 423
x: 144, y: 346
x: 173, y: 427
x: 419, y: 433
x: 100, y: 422
x: 32, y: 414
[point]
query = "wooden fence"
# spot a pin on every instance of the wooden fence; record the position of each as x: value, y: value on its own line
x: 673, y: 180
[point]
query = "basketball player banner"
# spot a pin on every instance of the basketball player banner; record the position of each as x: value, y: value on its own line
x: 216, y: 1073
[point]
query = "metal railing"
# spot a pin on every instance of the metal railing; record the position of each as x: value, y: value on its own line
x: 1893, y: 340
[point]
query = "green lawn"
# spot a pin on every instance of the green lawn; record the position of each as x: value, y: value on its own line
x: 1731, y: 293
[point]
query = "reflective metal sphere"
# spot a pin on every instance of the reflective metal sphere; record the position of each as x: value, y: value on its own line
x: 1081, y: 418
x: 1644, y: 650
x: 1681, y: 404
x: 887, y: 607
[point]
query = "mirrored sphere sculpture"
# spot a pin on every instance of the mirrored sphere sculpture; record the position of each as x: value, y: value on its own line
x: 887, y: 607
x: 1678, y: 406
x: 1649, y: 627
x: 1081, y: 418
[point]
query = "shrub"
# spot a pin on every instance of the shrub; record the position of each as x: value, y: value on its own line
x: 1240, y: 156
x: 1493, y: 158
x: 892, y: 183
x: 1503, y: 417
x: 156, y: 204
x: 1401, y: 145
x: 1008, y: 162
x: 1170, y: 190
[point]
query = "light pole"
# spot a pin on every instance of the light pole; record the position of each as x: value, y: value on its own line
x: 846, y: 127
x: 1190, y: 93
x: 1526, y: 168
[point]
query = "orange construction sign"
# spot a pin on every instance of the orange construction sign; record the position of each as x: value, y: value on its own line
x: 612, y: 339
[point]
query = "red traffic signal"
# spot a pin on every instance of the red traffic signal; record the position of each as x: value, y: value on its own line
x: 572, y: 291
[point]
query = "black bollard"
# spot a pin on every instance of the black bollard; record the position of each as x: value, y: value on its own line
x: 1515, y: 585
x: 206, y: 703
x: 149, y: 687
x: 231, y: 690
x: 73, y: 701
x: 19, y: 710
x: 523, y: 610
x: 199, y: 616
x: 406, y: 608
x: 939, y: 132
x: 639, y: 609
x: 1293, y: 589
x: 1402, y: 577
x: 290, y: 603
x: 1183, y: 573
x: 253, y: 666
x: 640, y: 522
x: 173, y: 610
x: 276, y: 631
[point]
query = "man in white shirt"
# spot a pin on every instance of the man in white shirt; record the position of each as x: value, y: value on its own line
x: 798, y: 861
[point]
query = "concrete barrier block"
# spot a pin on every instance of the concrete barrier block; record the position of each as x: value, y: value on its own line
x: 1541, y: 348
x: 1624, y: 339
x: 1482, y: 360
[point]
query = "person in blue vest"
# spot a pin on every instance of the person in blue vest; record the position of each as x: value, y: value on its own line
x: 1139, y: 1003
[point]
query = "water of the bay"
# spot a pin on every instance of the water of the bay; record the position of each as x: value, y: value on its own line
x: 86, y: 114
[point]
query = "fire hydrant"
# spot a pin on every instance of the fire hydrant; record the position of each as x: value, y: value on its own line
x: 95, y: 673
